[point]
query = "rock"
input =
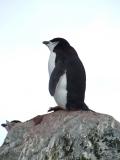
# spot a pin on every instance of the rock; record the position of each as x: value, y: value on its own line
x: 64, y: 135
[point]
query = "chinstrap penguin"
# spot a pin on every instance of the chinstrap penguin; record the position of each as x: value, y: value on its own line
x: 67, y: 81
x: 9, y: 125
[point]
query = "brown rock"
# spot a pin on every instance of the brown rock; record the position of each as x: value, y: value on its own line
x: 64, y: 135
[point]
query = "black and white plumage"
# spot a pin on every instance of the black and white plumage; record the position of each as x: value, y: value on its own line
x: 67, y: 75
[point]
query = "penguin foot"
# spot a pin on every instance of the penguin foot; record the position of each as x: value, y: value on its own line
x: 56, y: 108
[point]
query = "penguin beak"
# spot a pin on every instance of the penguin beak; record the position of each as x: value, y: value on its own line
x: 3, y: 125
x: 46, y: 42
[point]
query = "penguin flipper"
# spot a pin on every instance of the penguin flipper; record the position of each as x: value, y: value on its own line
x: 55, y: 76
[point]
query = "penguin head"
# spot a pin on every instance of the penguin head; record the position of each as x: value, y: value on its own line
x: 8, y: 125
x: 56, y: 43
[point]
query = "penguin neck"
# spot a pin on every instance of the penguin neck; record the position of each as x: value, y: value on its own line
x: 51, y: 62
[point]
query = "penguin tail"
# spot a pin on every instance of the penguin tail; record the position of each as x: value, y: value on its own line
x: 86, y: 108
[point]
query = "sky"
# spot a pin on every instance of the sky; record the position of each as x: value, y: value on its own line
x: 92, y: 27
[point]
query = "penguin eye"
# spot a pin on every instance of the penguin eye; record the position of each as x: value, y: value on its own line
x: 51, y: 45
x: 55, y: 43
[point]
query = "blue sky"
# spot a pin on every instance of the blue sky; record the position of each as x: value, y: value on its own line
x: 93, y: 29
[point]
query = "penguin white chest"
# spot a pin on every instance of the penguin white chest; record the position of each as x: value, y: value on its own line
x: 60, y: 95
x: 51, y: 62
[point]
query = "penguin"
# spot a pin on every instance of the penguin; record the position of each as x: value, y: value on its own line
x: 67, y: 81
x: 9, y: 125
